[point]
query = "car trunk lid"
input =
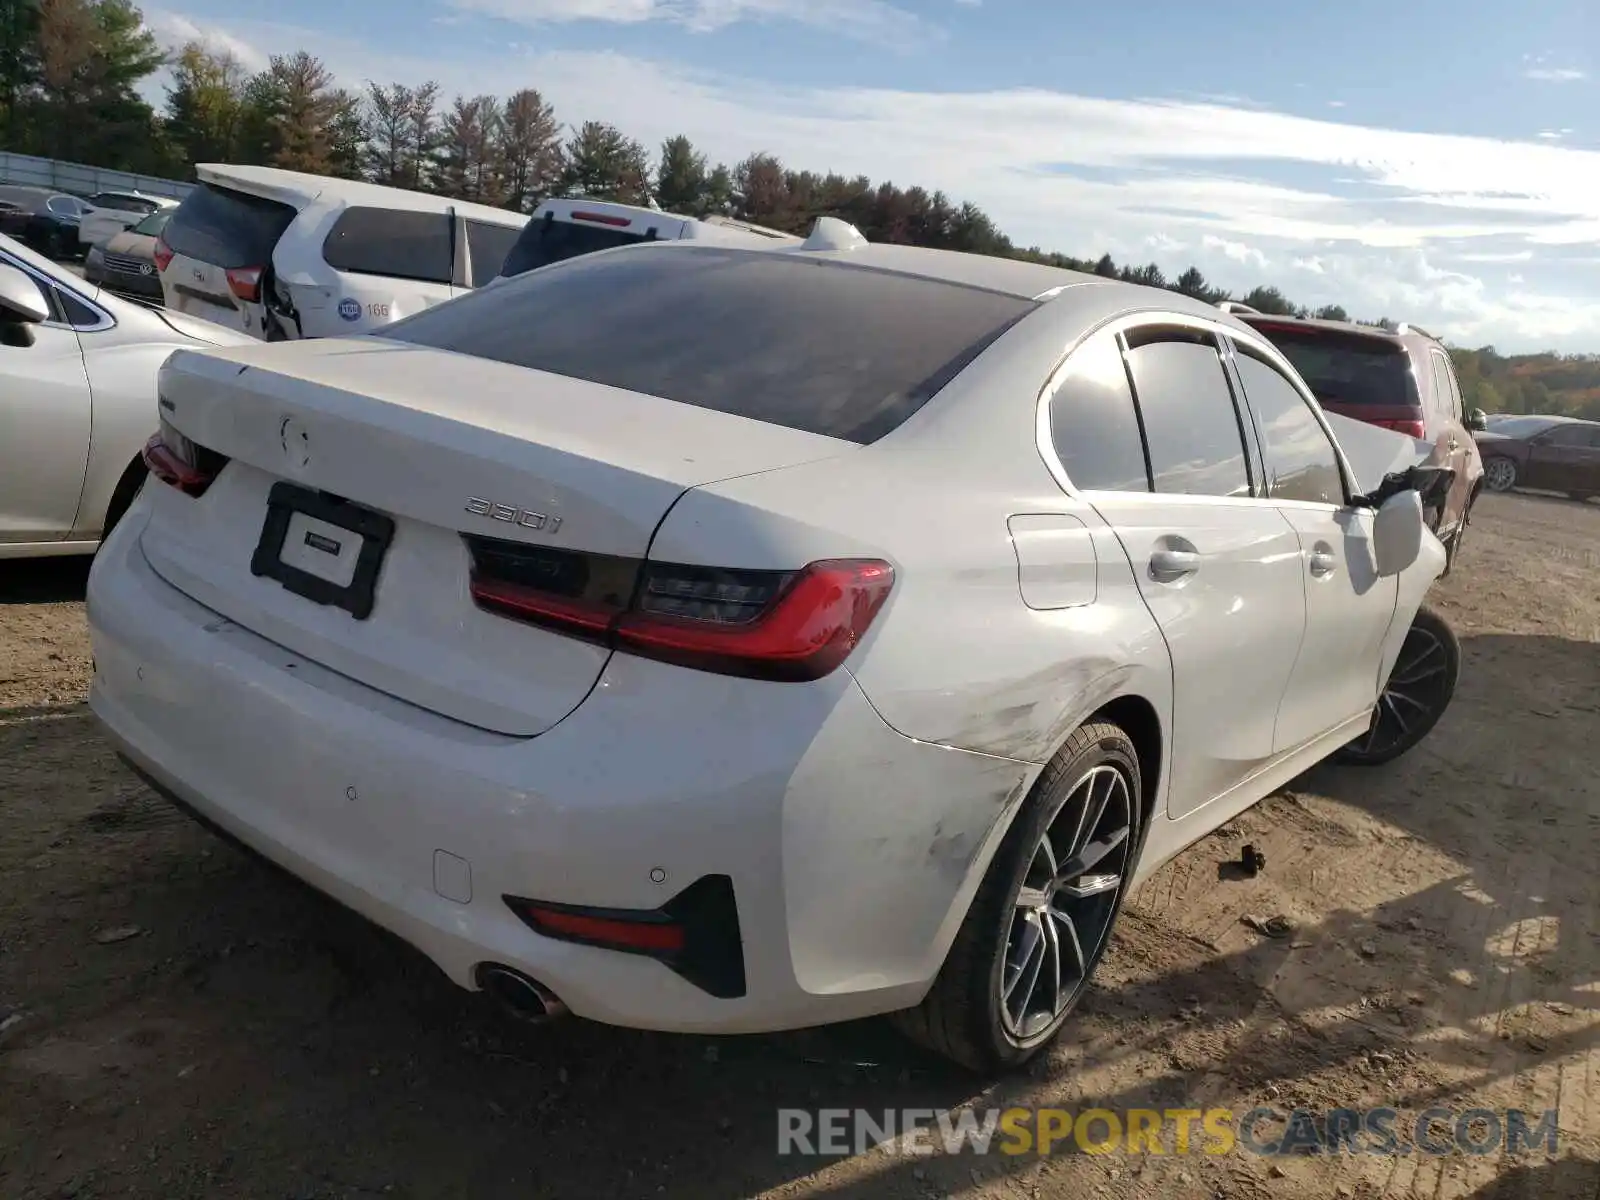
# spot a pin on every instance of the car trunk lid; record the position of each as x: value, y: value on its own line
x: 396, y: 431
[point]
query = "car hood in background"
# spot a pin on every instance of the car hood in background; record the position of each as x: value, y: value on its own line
x: 1373, y: 452
x: 136, y: 245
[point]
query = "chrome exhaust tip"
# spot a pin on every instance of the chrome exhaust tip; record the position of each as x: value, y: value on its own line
x: 525, y: 998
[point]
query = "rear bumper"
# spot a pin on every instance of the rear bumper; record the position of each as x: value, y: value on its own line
x: 853, y: 851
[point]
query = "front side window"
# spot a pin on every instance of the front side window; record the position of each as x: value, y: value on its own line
x: 1191, y: 425
x: 1093, y: 423
x: 64, y: 206
x: 1301, y: 463
x: 1568, y: 435
x: 395, y: 242
x: 843, y: 351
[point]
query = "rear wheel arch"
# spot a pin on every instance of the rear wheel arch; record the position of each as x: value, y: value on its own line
x: 122, y: 497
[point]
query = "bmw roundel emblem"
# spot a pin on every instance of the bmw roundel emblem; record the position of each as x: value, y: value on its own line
x: 350, y: 309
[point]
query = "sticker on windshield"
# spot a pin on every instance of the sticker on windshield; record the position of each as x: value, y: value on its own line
x: 350, y: 309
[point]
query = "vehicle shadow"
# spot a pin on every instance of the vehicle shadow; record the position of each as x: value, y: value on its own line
x: 44, y: 580
x: 329, y: 1058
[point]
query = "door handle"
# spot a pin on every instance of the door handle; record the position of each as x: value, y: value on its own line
x: 1167, y: 566
x: 1323, y: 563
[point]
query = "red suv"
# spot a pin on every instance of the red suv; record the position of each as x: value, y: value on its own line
x: 1402, y: 381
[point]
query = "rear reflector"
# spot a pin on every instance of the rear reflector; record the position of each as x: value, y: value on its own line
x: 602, y: 219
x: 778, y: 625
x: 647, y: 932
x: 180, y: 463
x: 1414, y: 429
x: 245, y: 283
x: 695, y: 934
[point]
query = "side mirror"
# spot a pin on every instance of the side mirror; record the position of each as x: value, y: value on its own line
x: 1397, y: 533
x: 21, y: 301
x: 1477, y: 421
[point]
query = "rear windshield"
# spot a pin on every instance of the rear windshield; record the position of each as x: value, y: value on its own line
x: 152, y: 225
x: 544, y: 242
x: 843, y: 351
x: 226, y: 228
x: 1344, y: 369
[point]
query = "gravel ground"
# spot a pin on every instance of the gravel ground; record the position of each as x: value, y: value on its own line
x: 177, y: 1021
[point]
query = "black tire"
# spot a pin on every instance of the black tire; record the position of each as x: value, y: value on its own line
x: 1499, y: 474
x: 961, y: 1017
x: 122, y: 499
x: 1422, y: 684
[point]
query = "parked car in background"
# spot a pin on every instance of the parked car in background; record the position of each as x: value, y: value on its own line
x: 1401, y: 380
x: 567, y: 227
x: 42, y: 218
x: 77, y: 402
x: 126, y: 263
x: 284, y: 255
x: 107, y: 214
x: 926, y: 645
x: 1558, y: 454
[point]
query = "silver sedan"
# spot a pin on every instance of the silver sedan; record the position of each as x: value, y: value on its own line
x: 77, y: 401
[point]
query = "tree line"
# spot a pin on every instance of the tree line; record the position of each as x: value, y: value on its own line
x: 69, y: 76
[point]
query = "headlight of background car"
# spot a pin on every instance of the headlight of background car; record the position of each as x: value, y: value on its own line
x: 96, y: 257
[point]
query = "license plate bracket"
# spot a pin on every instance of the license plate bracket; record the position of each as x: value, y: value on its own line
x: 318, y: 514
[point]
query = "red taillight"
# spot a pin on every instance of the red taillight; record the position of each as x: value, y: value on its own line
x: 646, y: 932
x: 777, y: 625
x: 245, y: 283
x: 162, y: 254
x: 178, y: 462
x: 602, y: 219
x: 805, y: 634
x: 1414, y: 429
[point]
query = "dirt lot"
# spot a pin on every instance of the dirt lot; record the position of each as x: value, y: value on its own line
x: 177, y: 1021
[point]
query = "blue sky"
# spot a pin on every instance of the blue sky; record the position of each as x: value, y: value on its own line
x: 1426, y: 161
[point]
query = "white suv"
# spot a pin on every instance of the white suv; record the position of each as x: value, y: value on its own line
x: 107, y: 214
x: 563, y: 229
x: 285, y: 255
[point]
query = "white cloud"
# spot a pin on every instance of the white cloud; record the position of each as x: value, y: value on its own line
x: 1335, y: 103
x: 866, y: 20
x: 1390, y: 216
x: 1555, y: 74
x: 173, y: 31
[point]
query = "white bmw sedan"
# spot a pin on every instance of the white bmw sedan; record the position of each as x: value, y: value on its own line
x: 699, y: 638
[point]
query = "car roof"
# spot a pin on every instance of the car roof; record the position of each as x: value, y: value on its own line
x: 1399, y: 338
x: 299, y: 189
x: 1011, y: 276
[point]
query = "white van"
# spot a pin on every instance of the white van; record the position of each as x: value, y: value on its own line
x: 566, y: 228
x: 281, y: 254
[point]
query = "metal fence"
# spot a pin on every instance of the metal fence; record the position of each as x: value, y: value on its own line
x: 27, y: 170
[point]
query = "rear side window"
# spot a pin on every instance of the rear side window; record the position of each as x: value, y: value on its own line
x: 487, y: 247
x: 1345, y: 369
x: 64, y: 206
x: 1300, y: 459
x: 1093, y: 424
x: 1191, y: 425
x: 226, y: 228
x: 842, y: 351
x: 394, y: 242
x: 1444, y: 382
x: 543, y: 242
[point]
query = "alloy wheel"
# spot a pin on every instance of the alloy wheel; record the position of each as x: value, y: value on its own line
x: 1500, y: 474
x: 1418, y: 688
x: 1064, y: 908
